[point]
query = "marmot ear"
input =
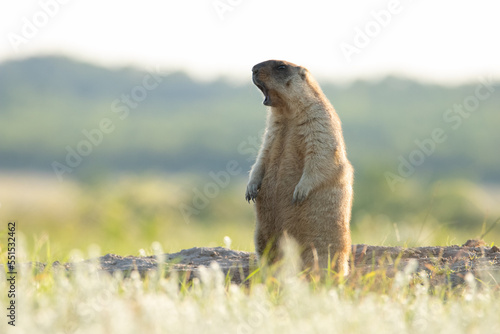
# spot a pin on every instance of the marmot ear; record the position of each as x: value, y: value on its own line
x: 302, y: 73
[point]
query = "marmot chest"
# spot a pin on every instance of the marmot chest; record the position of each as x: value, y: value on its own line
x: 285, y: 162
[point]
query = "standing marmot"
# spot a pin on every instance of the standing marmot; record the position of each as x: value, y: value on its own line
x: 301, y: 180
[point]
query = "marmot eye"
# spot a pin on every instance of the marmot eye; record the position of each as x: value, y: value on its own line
x: 281, y: 67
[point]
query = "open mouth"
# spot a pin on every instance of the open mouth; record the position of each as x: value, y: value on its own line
x: 267, y: 101
x: 263, y: 89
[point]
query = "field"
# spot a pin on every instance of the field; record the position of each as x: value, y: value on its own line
x: 72, y: 220
x: 153, y: 185
x: 125, y: 215
x: 271, y: 301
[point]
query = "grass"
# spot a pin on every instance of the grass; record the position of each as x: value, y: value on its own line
x: 126, y: 215
x: 273, y: 300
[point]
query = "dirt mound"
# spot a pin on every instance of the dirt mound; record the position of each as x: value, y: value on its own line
x: 442, y: 264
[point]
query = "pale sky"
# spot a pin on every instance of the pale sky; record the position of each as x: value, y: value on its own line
x: 447, y: 41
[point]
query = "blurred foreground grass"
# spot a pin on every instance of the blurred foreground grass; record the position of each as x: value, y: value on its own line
x: 127, y: 213
x: 274, y: 300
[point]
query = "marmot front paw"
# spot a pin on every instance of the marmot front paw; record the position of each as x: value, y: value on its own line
x: 300, y: 193
x: 252, y: 191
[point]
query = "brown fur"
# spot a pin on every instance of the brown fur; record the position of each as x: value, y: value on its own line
x: 301, y: 180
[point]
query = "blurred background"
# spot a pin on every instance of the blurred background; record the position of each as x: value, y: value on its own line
x: 125, y: 122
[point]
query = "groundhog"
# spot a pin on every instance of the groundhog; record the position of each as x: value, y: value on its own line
x: 301, y: 182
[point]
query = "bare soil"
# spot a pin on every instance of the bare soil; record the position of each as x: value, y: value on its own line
x: 441, y: 264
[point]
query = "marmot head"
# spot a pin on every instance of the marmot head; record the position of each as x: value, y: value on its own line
x: 278, y: 80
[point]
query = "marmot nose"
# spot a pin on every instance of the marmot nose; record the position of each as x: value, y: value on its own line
x: 256, y: 68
